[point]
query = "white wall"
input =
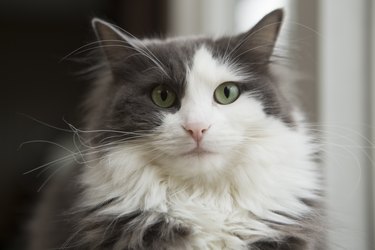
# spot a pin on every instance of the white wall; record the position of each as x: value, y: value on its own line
x: 344, y: 108
x: 372, y: 69
x: 213, y: 17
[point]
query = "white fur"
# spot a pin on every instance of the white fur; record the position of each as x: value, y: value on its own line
x: 258, y: 165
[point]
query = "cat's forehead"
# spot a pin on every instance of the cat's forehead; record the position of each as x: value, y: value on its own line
x: 178, y: 52
x: 198, y: 58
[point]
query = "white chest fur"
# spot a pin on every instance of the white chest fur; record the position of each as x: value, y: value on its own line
x: 271, y: 175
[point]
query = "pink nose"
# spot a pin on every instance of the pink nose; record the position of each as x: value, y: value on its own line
x: 196, y: 130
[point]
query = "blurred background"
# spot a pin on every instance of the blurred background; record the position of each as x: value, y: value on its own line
x: 330, y: 46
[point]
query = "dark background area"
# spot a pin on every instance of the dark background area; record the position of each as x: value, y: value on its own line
x: 34, y: 36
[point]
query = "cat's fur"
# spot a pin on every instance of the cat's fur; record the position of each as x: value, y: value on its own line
x: 141, y: 187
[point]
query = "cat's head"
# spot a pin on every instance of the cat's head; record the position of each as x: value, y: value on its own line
x: 190, y: 106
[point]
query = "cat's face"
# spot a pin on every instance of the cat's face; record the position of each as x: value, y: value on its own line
x: 190, y: 106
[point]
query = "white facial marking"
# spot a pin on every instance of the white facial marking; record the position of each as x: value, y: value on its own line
x: 204, y: 76
x: 203, y: 131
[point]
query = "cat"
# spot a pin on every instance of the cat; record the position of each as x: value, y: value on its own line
x: 191, y: 145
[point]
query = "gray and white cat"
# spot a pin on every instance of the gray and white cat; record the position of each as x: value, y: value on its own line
x: 192, y: 145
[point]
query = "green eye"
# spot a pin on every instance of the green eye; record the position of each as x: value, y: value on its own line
x: 226, y: 93
x: 163, y: 96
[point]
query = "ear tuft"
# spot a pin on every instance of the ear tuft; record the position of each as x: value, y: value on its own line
x: 105, y: 30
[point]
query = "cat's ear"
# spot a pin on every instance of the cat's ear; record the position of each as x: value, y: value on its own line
x: 115, y: 44
x: 262, y: 37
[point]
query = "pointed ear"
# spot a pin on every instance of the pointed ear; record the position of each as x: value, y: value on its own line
x: 262, y: 37
x: 115, y: 44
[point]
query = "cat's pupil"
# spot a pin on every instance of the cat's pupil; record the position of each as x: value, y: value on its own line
x: 226, y: 92
x: 164, y: 95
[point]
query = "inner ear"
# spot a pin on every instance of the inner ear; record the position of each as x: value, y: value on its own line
x: 115, y: 44
x: 261, y: 39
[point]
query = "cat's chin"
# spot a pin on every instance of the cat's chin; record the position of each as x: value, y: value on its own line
x: 193, y: 164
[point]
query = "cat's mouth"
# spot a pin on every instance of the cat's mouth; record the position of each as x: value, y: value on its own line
x: 198, y: 151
